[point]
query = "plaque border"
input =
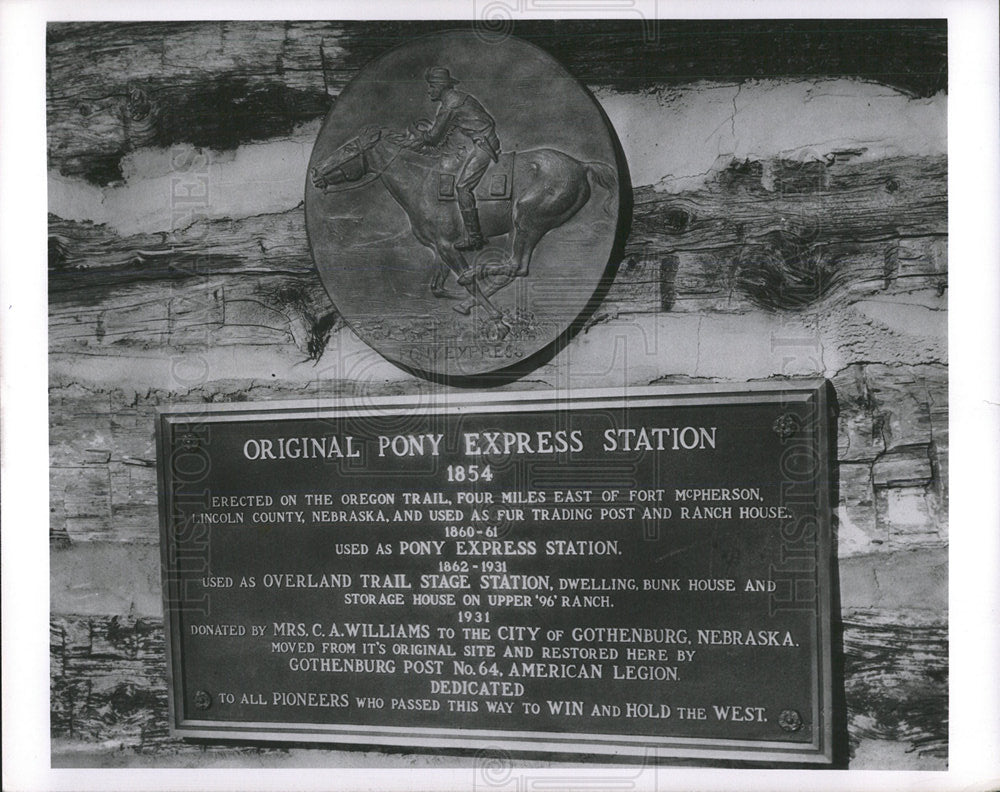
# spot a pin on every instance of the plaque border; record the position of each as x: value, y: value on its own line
x: 818, y: 751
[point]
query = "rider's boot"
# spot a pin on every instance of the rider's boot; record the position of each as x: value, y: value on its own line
x: 473, y: 239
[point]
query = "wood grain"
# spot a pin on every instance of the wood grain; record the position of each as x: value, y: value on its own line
x: 896, y: 681
x: 735, y: 248
x: 113, y: 88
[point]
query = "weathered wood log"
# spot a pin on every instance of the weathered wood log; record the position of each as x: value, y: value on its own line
x: 113, y: 88
x: 90, y: 255
x: 896, y: 680
x: 848, y: 204
x: 788, y: 248
x: 194, y: 313
x: 294, y: 312
x: 108, y: 680
x: 731, y: 249
x: 893, y: 455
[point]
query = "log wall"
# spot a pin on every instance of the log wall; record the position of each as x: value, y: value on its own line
x: 773, y: 264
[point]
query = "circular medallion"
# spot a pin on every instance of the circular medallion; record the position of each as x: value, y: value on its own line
x: 463, y: 203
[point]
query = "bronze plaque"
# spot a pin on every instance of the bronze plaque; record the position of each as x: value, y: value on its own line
x: 637, y: 575
x: 463, y: 203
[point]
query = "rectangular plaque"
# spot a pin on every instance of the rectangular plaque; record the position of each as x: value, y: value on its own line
x: 637, y: 573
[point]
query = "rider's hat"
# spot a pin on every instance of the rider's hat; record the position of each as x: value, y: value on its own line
x: 439, y: 75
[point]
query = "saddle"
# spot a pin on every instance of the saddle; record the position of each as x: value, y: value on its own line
x: 496, y: 184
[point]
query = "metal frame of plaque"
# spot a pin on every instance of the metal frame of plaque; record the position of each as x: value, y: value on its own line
x: 783, y: 710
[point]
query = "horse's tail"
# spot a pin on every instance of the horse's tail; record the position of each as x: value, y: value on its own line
x: 604, y: 176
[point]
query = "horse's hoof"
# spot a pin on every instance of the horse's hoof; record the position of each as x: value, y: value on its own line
x: 467, y: 277
x: 499, y: 270
x: 462, y: 308
x: 499, y: 331
x: 444, y: 294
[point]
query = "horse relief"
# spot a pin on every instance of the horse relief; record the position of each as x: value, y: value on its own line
x: 548, y: 187
x: 503, y: 203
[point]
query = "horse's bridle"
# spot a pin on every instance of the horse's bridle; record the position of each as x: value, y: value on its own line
x: 360, y: 160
